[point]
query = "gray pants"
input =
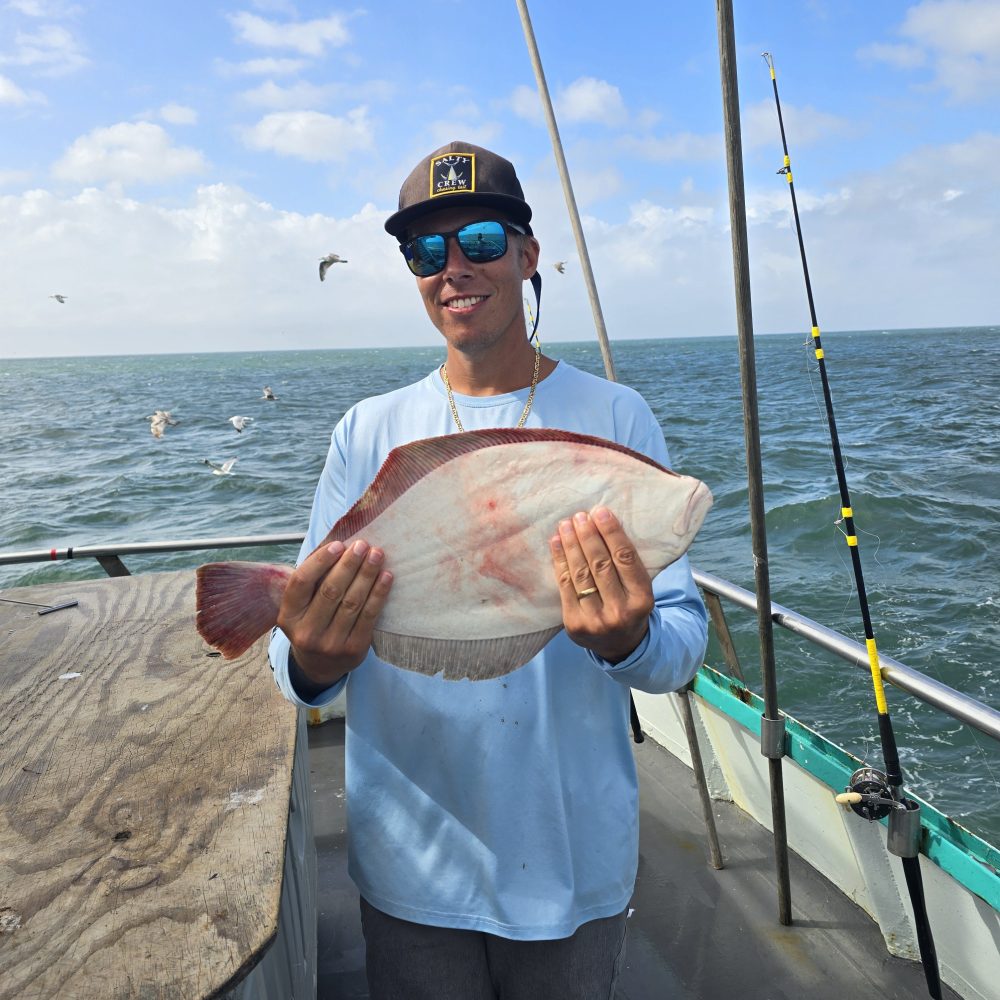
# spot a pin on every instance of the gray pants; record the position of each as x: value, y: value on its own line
x: 407, y: 961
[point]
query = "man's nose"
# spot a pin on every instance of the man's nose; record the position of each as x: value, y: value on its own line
x: 455, y: 261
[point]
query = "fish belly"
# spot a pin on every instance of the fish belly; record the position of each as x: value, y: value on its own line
x: 474, y: 591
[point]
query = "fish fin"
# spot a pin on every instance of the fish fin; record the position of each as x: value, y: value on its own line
x: 460, y: 659
x: 237, y: 603
x: 409, y: 463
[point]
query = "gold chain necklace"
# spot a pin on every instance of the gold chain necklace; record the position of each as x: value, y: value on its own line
x: 527, y: 405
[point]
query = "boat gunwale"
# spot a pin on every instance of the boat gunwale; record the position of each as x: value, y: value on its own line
x: 970, y: 860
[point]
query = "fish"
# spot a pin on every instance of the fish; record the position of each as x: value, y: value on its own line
x: 464, y: 520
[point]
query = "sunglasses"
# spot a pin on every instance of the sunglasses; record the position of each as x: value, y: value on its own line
x: 481, y: 242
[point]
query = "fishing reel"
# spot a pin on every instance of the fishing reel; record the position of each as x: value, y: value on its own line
x: 869, y: 795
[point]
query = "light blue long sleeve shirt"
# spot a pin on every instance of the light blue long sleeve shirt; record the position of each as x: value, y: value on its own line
x: 508, y: 805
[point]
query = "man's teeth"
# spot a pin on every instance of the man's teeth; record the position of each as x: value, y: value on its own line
x: 466, y: 302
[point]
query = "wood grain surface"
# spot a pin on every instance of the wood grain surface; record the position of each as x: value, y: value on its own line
x: 143, y: 803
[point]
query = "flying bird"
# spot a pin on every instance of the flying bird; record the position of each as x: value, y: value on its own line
x: 325, y: 262
x: 268, y: 393
x: 240, y: 422
x: 159, y: 421
x: 225, y: 469
x: 560, y: 266
x: 59, y: 298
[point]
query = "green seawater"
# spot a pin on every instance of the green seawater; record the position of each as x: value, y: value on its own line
x: 918, y: 412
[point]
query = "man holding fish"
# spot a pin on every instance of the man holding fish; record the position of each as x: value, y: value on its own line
x: 493, y: 822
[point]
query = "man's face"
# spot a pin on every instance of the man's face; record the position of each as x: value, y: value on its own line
x: 476, y: 306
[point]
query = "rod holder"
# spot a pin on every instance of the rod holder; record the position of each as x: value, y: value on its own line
x: 772, y: 737
x: 904, y: 830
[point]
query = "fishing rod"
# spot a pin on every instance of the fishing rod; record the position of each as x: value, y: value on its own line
x: 872, y: 794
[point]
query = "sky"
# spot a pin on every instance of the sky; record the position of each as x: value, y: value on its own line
x: 176, y: 170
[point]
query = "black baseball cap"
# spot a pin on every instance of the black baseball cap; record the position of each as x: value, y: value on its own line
x: 459, y: 173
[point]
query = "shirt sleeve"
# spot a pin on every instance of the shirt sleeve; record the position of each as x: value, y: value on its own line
x: 329, y: 504
x: 674, y: 646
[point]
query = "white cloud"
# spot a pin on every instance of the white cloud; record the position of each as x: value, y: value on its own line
x: 891, y: 248
x: 590, y: 100
x: 683, y: 147
x: 311, y: 38
x: 585, y: 100
x: 310, y: 95
x: 312, y: 136
x: 261, y: 67
x: 178, y: 114
x: 12, y: 178
x: 50, y: 51
x: 298, y: 95
x: 759, y: 124
x: 145, y: 277
x: 894, y: 248
x: 11, y: 93
x: 963, y: 37
x: 897, y: 56
x: 475, y: 130
x: 958, y: 39
x: 526, y: 104
x: 44, y: 8
x: 127, y: 153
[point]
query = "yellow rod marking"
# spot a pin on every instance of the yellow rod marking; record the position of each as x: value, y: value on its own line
x: 789, y: 176
x: 846, y: 512
x: 815, y: 331
x: 819, y: 353
x: 851, y: 539
x: 883, y: 708
x: 788, y: 162
x: 772, y: 72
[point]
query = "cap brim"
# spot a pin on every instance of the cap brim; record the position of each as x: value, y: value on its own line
x: 513, y: 208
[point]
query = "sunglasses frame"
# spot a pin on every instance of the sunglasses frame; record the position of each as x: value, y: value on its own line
x: 405, y: 247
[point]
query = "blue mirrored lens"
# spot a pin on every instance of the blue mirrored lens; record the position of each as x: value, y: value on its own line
x: 483, y: 241
x: 426, y: 254
x: 480, y: 242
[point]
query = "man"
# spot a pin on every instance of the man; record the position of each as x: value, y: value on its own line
x: 493, y: 825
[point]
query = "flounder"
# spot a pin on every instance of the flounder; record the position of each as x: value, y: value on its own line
x: 464, y: 520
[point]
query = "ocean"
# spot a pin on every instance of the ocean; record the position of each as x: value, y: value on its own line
x: 918, y: 413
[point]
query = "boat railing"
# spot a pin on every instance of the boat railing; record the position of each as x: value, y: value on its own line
x: 959, y: 706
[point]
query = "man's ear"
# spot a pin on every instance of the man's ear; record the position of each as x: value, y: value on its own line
x: 530, y: 251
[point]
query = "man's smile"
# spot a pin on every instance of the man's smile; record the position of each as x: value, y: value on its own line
x: 465, y: 302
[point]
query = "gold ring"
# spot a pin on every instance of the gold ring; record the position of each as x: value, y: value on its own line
x: 587, y: 592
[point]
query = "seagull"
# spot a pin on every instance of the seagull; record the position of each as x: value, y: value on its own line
x: 225, y: 469
x: 240, y: 422
x: 560, y: 266
x: 268, y: 393
x: 325, y: 262
x: 159, y: 422
x: 59, y: 298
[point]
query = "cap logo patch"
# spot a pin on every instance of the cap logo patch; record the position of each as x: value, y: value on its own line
x: 453, y: 173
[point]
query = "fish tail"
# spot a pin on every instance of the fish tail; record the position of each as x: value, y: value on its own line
x: 237, y: 603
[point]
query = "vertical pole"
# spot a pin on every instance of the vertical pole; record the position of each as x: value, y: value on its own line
x: 574, y: 213
x: 772, y: 722
x: 609, y: 368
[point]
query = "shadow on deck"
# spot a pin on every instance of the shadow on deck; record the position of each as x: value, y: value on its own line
x: 696, y: 933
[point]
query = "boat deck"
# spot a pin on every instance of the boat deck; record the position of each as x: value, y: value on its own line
x: 696, y: 933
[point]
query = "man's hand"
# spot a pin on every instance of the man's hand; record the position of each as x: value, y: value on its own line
x: 330, y: 607
x: 606, y: 593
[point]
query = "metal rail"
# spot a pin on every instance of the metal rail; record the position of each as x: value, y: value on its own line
x: 954, y: 703
x: 959, y: 706
x: 135, y: 548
